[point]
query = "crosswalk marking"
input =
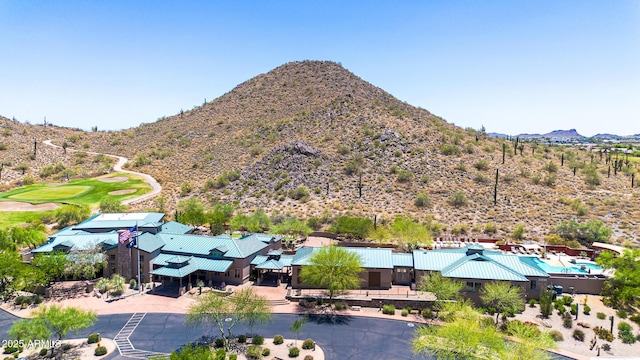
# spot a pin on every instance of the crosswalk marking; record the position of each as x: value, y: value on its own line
x: 124, y: 345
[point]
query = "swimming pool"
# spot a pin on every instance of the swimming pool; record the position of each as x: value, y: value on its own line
x: 591, y: 266
x: 550, y: 269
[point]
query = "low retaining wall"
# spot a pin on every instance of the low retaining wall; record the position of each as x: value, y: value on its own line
x: 582, y: 284
x: 374, y: 302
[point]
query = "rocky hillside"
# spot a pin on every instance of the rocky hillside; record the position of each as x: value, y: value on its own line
x: 311, y: 138
x: 19, y: 142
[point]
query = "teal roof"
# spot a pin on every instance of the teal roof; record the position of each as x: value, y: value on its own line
x: 82, y: 241
x: 481, y: 267
x: 402, y: 260
x: 121, y: 220
x: 149, y: 242
x: 435, y: 260
x: 270, y: 265
x: 262, y: 262
x: 174, y: 227
x: 259, y: 259
x: 372, y: 258
x: 176, y: 272
x: 188, y: 265
x: 204, y: 245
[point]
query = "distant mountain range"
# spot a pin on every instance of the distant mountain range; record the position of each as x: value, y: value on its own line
x: 565, y: 134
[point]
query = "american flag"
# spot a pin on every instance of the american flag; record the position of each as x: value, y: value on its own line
x: 127, y: 234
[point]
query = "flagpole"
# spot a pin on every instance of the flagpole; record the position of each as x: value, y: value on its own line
x: 138, y: 252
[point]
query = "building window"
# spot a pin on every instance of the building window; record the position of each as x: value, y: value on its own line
x: 238, y: 273
x: 473, y: 286
x: 113, y: 269
x: 112, y: 257
x: 141, y: 257
x: 534, y: 285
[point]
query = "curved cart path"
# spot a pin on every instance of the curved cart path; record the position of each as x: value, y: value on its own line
x: 156, y: 188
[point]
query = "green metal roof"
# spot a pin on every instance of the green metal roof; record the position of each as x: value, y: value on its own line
x: 204, y: 245
x: 402, y: 260
x: 435, y: 260
x: 121, y: 220
x: 270, y: 265
x: 481, y: 267
x: 81, y: 241
x: 176, y: 272
x: 174, y: 227
x: 259, y: 259
x: 372, y: 258
x: 189, y: 265
x: 149, y: 242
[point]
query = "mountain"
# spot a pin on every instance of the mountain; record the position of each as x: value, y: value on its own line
x: 311, y: 138
x: 567, y: 134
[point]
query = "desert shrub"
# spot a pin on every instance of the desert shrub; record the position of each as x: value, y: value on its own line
x: 481, y: 165
x: 93, y: 338
x: 308, y: 344
x: 635, y: 319
x: 621, y: 314
x: 606, y: 347
x: 220, y: 354
x: 308, y: 357
x: 423, y: 200
x: 586, y: 310
x: 340, y: 305
x: 66, y: 347
x: 458, y: 199
x: 254, y: 352
x: 427, y: 313
x: 294, y: 352
x: 490, y: 228
x: 405, y: 312
x: 219, y: 343
x: 233, y: 356
x: 266, y: 352
x: 567, y: 321
x: 561, y: 309
x: 532, y: 303
x: 601, y: 315
x: 550, y: 167
x: 573, y: 309
x: 625, y: 333
x: 389, y: 309
x: 278, y: 339
x: 481, y: 178
x: 301, y: 192
x: 567, y: 300
x: 242, y: 339
x: 449, y: 149
x: 100, y: 350
x: 43, y: 352
x: 11, y: 349
x: 257, y: 340
x: 578, y: 334
x: 603, y: 333
x: 404, y: 176
x: 556, y: 335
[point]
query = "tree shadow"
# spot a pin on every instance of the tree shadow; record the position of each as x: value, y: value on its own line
x: 329, y: 318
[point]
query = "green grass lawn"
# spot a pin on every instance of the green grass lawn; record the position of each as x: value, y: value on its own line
x: 80, y: 191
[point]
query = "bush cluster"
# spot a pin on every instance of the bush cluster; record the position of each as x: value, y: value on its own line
x: 389, y: 309
x: 294, y: 352
x: 578, y: 334
x: 100, y: 350
x: 278, y: 339
x: 603, y: 333
x: 308, y: 344
x: 556, y: 335
x: 257, y: 340
x: 93, y: 338
x: 242, y: 339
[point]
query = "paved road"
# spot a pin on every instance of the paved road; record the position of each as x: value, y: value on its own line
x: 6, y: 320
x: 156, y: 188
x: 340, y: 337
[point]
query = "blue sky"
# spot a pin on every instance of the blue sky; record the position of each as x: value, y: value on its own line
x: 512, y: 66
